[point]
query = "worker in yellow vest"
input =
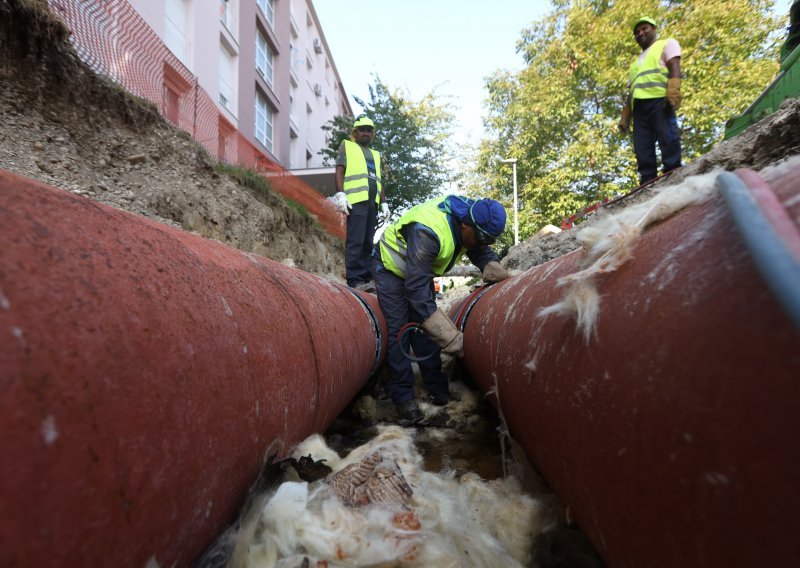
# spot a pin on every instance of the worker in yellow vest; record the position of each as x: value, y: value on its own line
x: 359, y: 194
x: 425, y: 242
x: 654, y: 83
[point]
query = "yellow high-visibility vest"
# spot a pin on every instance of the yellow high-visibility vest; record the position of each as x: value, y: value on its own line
x: 649, y: 79
x: 356, y: 178
x: 393, y: 246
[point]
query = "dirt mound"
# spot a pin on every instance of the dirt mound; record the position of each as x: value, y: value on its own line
x: 67, y: 127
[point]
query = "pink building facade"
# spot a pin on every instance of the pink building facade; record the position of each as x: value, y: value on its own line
x: 267, y: 66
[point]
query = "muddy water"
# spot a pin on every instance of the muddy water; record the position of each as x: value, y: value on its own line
x: 478, y: 452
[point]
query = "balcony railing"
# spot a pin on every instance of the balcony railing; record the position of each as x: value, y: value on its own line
x: 227, y: 96
x: 228, y: 18
x: 177, y: 42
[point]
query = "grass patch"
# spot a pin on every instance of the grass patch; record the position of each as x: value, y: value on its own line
x: 299, y: 207
x: 246, y: 177
x: 251, y: 179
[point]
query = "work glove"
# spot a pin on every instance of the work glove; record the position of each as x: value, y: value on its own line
x: 625, y: 120
x: 674, y: 92
x: 444, y: 333
x: 340, y: 200
x: 494, y: 272
x: 385, y: 211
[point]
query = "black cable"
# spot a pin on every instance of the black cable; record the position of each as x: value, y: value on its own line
x: 414, y: 327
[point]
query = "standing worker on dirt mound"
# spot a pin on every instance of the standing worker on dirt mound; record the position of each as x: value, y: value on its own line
x: 426, y: 242
x: 359, y: 192
x: 654, y: 83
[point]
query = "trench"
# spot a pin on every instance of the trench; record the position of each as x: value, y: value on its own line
x: 462, y: 440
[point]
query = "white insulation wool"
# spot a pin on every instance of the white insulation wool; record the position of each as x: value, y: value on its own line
x: 609, y: 243
x: 447, y: 521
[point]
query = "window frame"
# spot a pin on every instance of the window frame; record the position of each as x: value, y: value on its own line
x: 263, y: 134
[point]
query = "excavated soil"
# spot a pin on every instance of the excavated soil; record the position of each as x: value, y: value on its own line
x: 65, y: 126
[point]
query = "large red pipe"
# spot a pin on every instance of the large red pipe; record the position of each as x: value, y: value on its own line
x: 672, y: 435
x: 146, y: 374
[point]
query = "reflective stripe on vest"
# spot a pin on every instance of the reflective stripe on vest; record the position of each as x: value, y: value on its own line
x: 393, y: 244
x: 649, y: 80
x: 356, y: 178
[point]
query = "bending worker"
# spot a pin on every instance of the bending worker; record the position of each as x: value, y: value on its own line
x: 654, y: 83
x: 359, y: 193
x: 426, y: 242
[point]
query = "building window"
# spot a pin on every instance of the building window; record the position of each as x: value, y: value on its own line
x: 268, y: 8
x: 263, y: 126
x: 227, y: 15
x: 264, y: 58
x: 176, y: 87
x: 176, y: 30
x: 227, y: 80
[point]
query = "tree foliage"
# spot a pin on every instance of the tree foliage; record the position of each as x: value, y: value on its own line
x: 412, y: 137
x: 558, y: 115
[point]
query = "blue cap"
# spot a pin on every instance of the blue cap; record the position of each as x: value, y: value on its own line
x: 488, y: 216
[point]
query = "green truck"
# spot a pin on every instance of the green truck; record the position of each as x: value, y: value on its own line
x: 785, y: 86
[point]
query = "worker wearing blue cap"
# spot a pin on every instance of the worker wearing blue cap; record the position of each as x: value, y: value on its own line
x: 424, y: 243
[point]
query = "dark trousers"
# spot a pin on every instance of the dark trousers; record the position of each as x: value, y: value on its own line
x: 654, y: 121
x: 398, y: 312
x: 361, y: 225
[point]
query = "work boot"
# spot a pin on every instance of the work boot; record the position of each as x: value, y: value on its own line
x: 409, y: 412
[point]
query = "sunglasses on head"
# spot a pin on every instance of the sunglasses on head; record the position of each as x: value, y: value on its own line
x: 481, y: 236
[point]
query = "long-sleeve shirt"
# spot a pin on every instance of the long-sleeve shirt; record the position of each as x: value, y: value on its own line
x: 423, y: 246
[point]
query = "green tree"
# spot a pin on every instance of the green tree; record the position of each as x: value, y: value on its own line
x: 413, y: 139
x: 558, y: 115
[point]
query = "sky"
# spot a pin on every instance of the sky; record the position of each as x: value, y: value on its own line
x: 418, y: 46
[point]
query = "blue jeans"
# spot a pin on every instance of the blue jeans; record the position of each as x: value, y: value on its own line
x: 654, y: 121
x: 398, y: 312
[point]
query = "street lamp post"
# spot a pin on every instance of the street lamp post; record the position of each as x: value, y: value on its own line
x: 513, y: 162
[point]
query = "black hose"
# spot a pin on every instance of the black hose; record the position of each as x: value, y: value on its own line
x: 776, y: 263
x: 414, y: 328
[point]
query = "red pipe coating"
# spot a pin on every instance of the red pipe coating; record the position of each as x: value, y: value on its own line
x: 147, y: 373
x: 672, y: 434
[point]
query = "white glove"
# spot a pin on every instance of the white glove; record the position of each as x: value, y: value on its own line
x: 494, y: 272
x: 385, y: 210
x: 444, y: 333
x: 340, y: 200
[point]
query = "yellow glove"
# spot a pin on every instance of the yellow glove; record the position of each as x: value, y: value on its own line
x: 444, y: 333
x: 674, y: 92
x: 494, y: 272
x: 625, y: 119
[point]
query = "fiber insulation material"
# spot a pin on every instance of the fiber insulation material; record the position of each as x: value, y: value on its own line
x: 610, y: 242
x: 445, y: 520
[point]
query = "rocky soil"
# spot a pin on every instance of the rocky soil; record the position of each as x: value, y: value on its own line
x: 65, y: 126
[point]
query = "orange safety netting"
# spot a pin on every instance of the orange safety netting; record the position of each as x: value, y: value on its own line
x: 112, y: 39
